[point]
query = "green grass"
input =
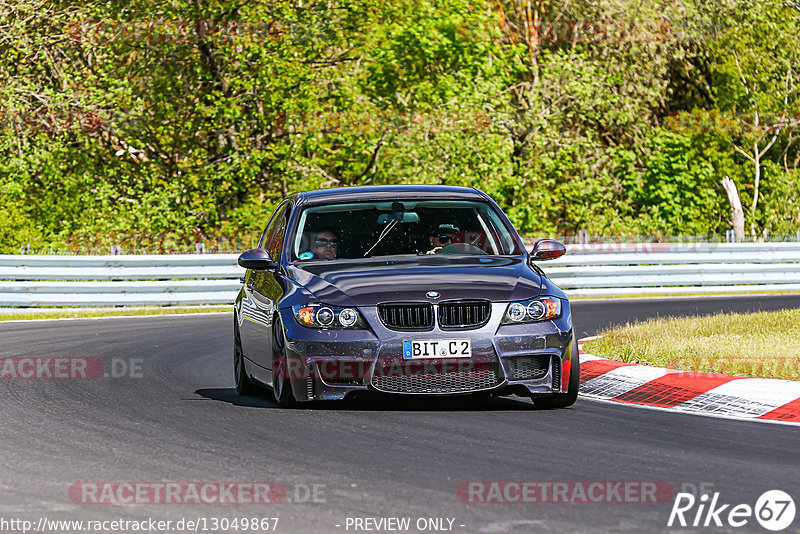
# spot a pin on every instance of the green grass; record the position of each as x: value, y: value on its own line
x: 763, y: 344
x: 7, y: 314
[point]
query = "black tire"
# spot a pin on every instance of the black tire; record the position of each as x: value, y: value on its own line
x: 563, y: 400
x: 243, y: 384
x: 281, y: 384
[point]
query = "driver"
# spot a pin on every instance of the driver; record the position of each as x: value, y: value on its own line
x: 326, y: 245
x: 442, y: 236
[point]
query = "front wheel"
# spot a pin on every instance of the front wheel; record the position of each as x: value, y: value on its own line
x: 281, y: 384
x: 563, y: 400
x: 243, y: 384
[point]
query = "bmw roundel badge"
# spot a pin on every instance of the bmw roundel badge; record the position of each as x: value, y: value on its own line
x: 432, y: 294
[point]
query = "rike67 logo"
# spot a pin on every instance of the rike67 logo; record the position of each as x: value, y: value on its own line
x: 774, y: 510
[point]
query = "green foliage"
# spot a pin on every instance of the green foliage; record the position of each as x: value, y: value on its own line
x: 780, y: 200
x: 678, y: 195
x: 188, y: 118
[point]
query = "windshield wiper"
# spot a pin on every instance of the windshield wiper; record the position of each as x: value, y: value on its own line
x: 385, y: 232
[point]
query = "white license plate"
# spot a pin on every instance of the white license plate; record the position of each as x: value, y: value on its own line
x: 437, y: 348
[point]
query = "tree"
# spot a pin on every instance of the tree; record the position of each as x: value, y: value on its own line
x: 756, y: 75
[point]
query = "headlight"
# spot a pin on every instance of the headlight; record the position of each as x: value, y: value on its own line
x: 529, y: 311
x: 324, y: 316
x: 348, y: 317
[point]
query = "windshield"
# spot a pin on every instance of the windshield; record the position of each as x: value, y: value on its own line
x: 388, y: 228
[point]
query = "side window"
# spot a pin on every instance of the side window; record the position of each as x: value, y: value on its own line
x: 276, y: 242
x: 276, y: 217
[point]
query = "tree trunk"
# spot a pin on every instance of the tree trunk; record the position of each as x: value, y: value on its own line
x: 757, y: 162
x: 737, y: 214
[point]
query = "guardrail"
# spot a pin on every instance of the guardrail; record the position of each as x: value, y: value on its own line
x: 119, y: 280
x: 672, y: 268
x: 586, y: 270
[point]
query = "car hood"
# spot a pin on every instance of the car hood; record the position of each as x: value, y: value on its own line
x: 372, y: 281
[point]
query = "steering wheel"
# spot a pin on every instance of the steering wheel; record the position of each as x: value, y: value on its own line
x: 460, y: 248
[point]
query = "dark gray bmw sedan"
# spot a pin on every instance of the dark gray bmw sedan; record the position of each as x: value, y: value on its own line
x: 405, y: 290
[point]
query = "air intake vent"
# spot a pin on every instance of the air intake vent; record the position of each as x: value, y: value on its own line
x: 310, y: 387
x: 464, y: 313
x: 529, y: 367
x: 441, y: 377
x: 406, y: 316
x: 556, y: 373
x: 310, y: 382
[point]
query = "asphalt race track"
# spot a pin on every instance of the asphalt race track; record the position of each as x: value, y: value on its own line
x: 176, y: 417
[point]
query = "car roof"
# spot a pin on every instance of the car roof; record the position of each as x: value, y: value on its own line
x: 385, y: 192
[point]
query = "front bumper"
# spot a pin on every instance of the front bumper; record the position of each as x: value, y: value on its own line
x: 526, y: 359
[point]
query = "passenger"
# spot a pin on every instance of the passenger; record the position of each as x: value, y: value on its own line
x: 442, y: 236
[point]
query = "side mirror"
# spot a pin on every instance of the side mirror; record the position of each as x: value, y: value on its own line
x: 547, y: 249
x: 257, y: 259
